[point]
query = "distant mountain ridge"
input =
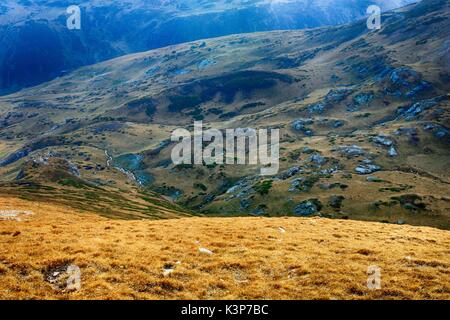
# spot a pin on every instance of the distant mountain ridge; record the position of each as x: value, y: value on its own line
x: 36, y: 46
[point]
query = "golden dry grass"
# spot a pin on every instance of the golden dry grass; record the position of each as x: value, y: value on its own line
x: 252, y: 258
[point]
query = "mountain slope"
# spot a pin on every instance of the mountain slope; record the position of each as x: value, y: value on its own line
x: 252, y: 258
x: 364, y: 120
x: 36, y: 46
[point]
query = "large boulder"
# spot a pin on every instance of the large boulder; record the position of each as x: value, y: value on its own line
x: 383, y: 140
x: 392, y: 152
x: 305, y: 209
x: 300, y: 125
x: 317, y: 108
x: 318, y: 160
x: 337, y: 95
x: 364, y: 169
x: 350, y: 151
x: 289, y: 173
x: 413, y: 111
x: 407, y: 82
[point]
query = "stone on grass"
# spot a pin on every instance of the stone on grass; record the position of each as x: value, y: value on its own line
x: 205, y: 251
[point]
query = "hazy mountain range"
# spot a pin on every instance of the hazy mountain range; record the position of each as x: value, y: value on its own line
x: 363, y: 115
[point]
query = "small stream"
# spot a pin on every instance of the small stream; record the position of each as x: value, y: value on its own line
x: 130, y: 165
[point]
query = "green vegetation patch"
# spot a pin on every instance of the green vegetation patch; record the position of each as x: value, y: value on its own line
x: 411, y: 202
x: 200, y: 186
x: 263, y: 187
x: 68, y: 182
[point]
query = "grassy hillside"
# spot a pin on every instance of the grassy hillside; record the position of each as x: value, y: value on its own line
x: 364, y: 120
x: 252, y: 258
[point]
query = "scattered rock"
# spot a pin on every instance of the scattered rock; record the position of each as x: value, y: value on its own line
x: 442, y: 133
x: 422, y: 86
x: 404, y: 76
x: 208, y: 199
x: 351, y: 151
x: 307, y: 150
x: 306, y: 208
x: 167, y: 272
x: 303, y: 184
x: 289, y: 173
x: 439, y: 132
x: 242, y: 188
x: 367, y: 169
x: 295, y: 184
x: 329, y: 171
x: 318, y: 160
x: 179, y: 72
x: 206, y: 251
x: 363, y: 98
x: 406, y: 131
x: 336, y: 201
x: 300, y: 125
x: 337, y: 95
x: 333, y: 97
x: 412, y: 112
x: 206, y: 63
x: 317, y: 108
x: 338, y: 124
x: 383, y: 140
x: 392, y: 152
x: 405, y: 81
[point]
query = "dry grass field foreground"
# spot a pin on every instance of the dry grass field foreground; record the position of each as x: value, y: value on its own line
x: 214, y: 258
